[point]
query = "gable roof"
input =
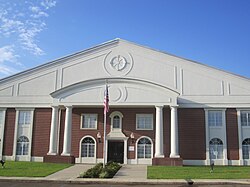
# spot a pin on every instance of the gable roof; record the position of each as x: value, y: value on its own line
x: 103, y: 45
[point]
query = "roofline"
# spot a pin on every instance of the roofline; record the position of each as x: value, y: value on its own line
x: 192, y: 61
x: 110, y: 42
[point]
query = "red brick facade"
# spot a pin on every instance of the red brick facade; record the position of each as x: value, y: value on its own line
x: 9, y: 131
x: 41, y: 132
x: 191, y: 122
x: 232, y: 134
x: 192, y: 134
x: 128, y: 126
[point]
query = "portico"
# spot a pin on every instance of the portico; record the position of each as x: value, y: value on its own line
x: 116, y: 119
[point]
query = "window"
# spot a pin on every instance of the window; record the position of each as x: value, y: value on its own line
x: 88, y: 147
x: 144, y: 121
x: 22, y: 146
x: 245, y: 118
x: 116, y: 122
x: 246, y: 148
x: 24, y: 118
x: 144, y: 148
x: 89, y: 121
x: 216, y: 148
x: 215, y: 118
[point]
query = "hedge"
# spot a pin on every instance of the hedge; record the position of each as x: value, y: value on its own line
x: 99, y: 172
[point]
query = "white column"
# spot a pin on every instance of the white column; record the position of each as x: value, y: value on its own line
x: 67, y: 132
x: 159, y: 133
x: 240, y: 138
x: 125, y: 159
x: 208, y: 162
x: 2, y: 133
x: 15, y: 136
x: 53, y: 132
x: 225, y: 160
x: 174, y: 134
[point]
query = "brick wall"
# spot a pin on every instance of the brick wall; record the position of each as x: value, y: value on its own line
x: 9, y: 131
x: 192, y: 141
x: 232, y: 134
x: 41, y: 131
x: 128, y: 125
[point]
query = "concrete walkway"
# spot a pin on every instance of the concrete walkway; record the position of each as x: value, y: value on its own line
x: 70, y: 173
x: 135, y: 172
x: 127, y: 175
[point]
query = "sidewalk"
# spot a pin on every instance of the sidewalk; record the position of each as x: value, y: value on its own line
x: 127, y: 175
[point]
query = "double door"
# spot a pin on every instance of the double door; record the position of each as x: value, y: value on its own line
x: 116, y: 151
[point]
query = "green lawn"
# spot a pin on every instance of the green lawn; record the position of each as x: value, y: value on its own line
x: 30, y: 169
x: 198, y: 172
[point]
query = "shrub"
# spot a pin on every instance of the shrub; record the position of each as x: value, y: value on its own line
x: 92, y: 172
x: 99, y: 172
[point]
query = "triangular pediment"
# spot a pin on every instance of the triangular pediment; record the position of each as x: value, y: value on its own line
x: 195, y: 82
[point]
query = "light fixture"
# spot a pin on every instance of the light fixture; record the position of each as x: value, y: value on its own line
x: 132, y: 136
x: 99, y: 136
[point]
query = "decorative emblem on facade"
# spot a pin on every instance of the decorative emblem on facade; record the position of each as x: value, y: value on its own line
x: 118, y: 63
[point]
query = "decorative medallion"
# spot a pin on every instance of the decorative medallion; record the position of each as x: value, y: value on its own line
x: 118, y: 63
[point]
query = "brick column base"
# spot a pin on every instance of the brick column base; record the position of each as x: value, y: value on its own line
x: 59, y: 159
x: 167, y: 161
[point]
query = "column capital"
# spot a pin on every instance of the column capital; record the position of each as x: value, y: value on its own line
x: 54, y: 106
x: 159, y: 106
x: 68, y: 106
x: 174, y: 107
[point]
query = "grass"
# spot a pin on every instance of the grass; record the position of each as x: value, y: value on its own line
x: 30, y: 169
x: 198, y: 172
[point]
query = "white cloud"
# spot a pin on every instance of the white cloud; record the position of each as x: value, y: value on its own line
x: 7, y: 54
x: 34, y: 9
x: 23, y: 22
x: 6, y: 70
x: 37, y: 12
x: 48, y: 3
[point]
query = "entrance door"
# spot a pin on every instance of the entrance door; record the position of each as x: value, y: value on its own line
x: 116, y: 151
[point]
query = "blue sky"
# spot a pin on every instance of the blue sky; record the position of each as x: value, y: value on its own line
x: 212, y: 32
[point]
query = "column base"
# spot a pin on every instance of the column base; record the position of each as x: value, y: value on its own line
x: 59, y: 159
x: 51, y: 153
x: 65, y: 154
x: 159, y: 156
x: 167, y: 162
x: 174, y: 156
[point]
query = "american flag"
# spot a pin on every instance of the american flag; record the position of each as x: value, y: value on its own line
x: 106, y: 100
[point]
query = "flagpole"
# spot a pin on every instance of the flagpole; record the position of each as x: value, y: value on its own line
x: 104, y: 139
x: 106, y: 109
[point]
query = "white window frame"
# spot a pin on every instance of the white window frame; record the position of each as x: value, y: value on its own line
x: 23, y: 130
x: 23, y: 121
x: 143, y: 116
x: 24, y: 145
x: 246, y: 149
x: 248, y: 118
x: 112, y: 115
x: 144, y: 160
x: 88, y: 115
x: 214, y: 117
x: 88, y: 153
x: 215, y: 148
x: 87, y: 159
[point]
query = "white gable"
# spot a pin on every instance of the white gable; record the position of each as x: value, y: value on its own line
x: 137, y: 76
